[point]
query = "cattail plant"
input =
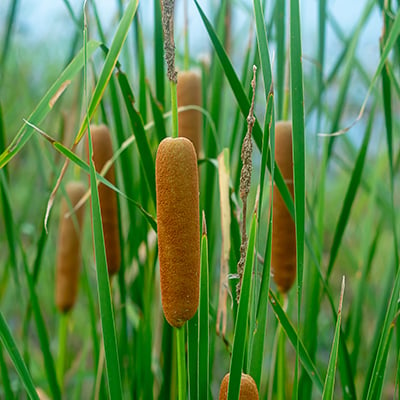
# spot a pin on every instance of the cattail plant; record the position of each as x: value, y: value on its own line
x: 248, y: 388
x: 178, y: 228
x: 190, y: 121
x: 69, y: 248
x: 102, y: 152
x: 283, y: 261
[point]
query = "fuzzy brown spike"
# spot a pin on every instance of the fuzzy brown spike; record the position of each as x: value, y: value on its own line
x: 178, y: 226
x: 248, y: 388
x: 283, y: 261
x: 69, y: 248
x: 190, y: 122
x: 103, y: 152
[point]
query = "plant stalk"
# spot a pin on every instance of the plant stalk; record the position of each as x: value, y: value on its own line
x: 180, y: 352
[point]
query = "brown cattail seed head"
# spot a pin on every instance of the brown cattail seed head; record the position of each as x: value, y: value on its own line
x: 190, y: 121
x: 69, y: 248
x: 283, y: 262
x: 103, y: 152
x: 178, y: 228
x: 248, y: 388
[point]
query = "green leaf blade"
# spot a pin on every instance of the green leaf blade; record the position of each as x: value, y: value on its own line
x: 241, y: 320
x: 104, y: 291
x: 10, y: 345
x: 109, y: 64
x: 329, y: 386
x: 204, y: 340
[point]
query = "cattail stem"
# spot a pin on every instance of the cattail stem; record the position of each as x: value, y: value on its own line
x: 169, y: 53
x: 181, y: 364
x: 62, y: 344
x: 281, y: 366
x: 286, y: 97
x: 100, y: 368
x: 174, y: 110
x: 279, y: 353
x: 186, y: 36
x: 274, y: 353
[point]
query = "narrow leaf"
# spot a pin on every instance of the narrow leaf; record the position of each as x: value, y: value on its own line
x: 4, y: 376
x: 204, y: 330
x: 242, y: 316
x: 223, y: 174
x: 294, y: 339
x: 244, y: 104
x: 9, y: 344
x: 329, y: 386
x: 42, y: 333
x: 350, y: 196
x: 104, y: 291
x: 262, y: 309
x: 109, y: 64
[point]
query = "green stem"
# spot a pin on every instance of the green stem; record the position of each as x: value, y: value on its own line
x: 180, y: 352
x: 281, y: 361
x: 286, y: 95
x: 281, y: 364
x: 62, y: 344
x: 187, y: 54
x: 274, y: 361
x: 174, y: 110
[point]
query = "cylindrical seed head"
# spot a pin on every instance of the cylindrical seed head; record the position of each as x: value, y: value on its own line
x: 69, y: 248
x: 178, y: 228
x: 102, y: 152
x: 190, y: 122
x: 283, y: 261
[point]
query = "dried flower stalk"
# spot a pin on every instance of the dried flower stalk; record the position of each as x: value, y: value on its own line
x: 245, y: 181
x: 168, y: 7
